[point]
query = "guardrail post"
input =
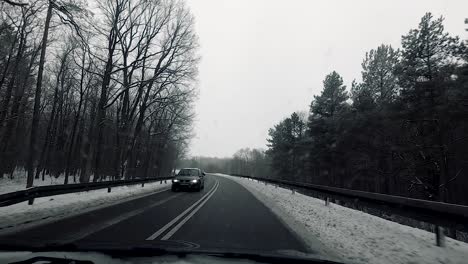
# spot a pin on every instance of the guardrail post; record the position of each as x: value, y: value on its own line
x: 165, y: 181
x: 31, y: 201
x: 143, y: 184
x: 440, y: 236
x: 161, y: 182
x: 108, y: 189
x: 327, y: 201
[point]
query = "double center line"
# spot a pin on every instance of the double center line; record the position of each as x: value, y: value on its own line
x: 183, y: 217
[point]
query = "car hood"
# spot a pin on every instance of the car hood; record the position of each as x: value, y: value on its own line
x: 149, y: 252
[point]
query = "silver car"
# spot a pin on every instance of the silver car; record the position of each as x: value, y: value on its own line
x: 189, y: 178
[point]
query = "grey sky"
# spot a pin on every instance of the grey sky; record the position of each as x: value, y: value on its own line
x: 264, y: 59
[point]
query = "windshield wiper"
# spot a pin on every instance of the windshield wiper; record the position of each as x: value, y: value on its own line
x: 52, y: 260
x: 266, y: 258
x: 156, y: 251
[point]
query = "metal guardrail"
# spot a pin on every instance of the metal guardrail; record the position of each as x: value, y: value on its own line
x: 50, y: 190
x: 440, y: 214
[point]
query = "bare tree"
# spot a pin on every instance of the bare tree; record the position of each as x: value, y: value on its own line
x: 13, y: 3
x: 113, y: 94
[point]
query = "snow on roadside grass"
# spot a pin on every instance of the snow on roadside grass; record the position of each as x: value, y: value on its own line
x: 18, y: 182
x: 59, y: 206
x: 358, y: 237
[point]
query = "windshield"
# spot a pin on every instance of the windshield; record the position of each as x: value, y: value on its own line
x: 334, y: 130
x: 188, y: 172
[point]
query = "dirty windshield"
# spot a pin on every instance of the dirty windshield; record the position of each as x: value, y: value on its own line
x: 259, y: 130
x: 188, y: 172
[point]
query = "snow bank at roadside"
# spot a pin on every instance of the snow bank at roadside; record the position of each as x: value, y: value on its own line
x: 18, y: 182
x: 51, y: 208
x: 358, y: 237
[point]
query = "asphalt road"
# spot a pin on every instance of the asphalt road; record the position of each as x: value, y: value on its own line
x: 222, y: 216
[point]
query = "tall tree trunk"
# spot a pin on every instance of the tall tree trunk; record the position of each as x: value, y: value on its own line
x: 7, y: 64
x: 72, y: 140
x: 9, y: 148
x: 37, y: 101
x: 88, y: 150
x: 81, y: 136
x: 6, y: 157
x: 14, y: 72
x: 101, y: 109
x: 50, y: 126
x: 75, y: 123
x: 101, y: 119
x: 118, y: 145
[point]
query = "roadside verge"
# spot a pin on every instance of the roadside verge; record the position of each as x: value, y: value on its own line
x: 21, y: 216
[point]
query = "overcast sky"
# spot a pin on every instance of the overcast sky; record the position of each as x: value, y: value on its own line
x: 264, y: 59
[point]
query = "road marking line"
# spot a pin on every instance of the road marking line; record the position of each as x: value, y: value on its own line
x: 168, y: 225
x: 91, y: 229
x: 181, y: 223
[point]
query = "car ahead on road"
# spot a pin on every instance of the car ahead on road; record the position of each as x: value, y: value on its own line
x: 189, y: 178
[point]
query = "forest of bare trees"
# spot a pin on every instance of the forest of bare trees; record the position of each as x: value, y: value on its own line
x: 245, y: 161
x: 95, y: 90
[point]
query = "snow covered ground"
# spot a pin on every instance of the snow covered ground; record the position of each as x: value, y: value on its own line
x: 354, y: 236
x: 19, y: 181
x: 51, y: 208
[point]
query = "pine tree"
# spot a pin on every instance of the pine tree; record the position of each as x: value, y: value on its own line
x: 363, y: 97
x: 427, y: 52
x: 285, y: 146
x: 378, y: 73
x: 333, y: 97
x: 429, y: 60
x: 324, y: 127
